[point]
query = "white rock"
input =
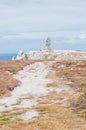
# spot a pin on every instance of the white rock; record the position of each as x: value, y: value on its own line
x: 28, y: 115
x: 52, y: 55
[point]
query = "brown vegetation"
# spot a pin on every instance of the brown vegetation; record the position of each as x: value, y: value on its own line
x: 74, y: 73
x: 52, y: 115
x: 7, y: 68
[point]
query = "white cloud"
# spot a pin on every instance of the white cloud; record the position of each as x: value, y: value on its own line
x: 82, y: 36
x: 32, y: 35
x: 32, y: 19
x: 22, y: 16
x: 55, y: 37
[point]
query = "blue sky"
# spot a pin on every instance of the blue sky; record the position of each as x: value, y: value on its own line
x: 25, y: 24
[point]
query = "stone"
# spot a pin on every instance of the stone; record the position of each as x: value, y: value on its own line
x: 47, y: 44
x: 13, y: 58
x: 21, y: 56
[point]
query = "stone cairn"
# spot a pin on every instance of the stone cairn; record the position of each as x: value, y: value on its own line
x: 47, y: 44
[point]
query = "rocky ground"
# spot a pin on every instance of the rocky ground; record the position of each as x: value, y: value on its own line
x: 55, y: 55
x: 51, y: 96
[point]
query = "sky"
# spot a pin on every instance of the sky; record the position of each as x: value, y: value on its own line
x: 25, y: 24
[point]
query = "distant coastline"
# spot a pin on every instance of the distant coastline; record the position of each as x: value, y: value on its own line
x: 7, y: 56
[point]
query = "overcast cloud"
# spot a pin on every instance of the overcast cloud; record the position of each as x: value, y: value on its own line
x: 37, y: 19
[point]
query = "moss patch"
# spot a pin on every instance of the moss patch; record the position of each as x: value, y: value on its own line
x: 80, y: 98
x: 10, y: 117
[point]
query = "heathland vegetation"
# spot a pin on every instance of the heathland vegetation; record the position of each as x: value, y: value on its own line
x: 63, y: 105
x: 7, y: 69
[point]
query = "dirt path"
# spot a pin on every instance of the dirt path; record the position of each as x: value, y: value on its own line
x: 41, y: 102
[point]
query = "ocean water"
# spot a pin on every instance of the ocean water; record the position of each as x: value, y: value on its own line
x: 6, y: 56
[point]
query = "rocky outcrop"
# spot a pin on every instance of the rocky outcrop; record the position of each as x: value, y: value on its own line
x: 21, y: 56
x: 52, y: 55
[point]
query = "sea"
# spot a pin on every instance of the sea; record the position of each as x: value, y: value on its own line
x: 7, y: 56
